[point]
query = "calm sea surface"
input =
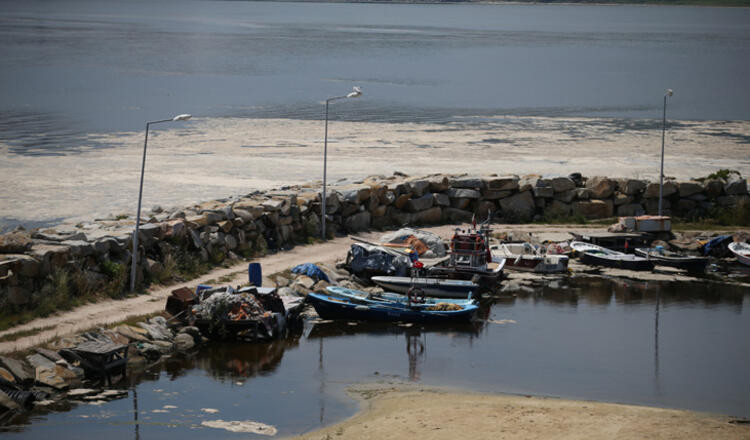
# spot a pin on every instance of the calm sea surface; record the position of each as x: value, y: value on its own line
x: 72, y: 67
x: 671, y: 345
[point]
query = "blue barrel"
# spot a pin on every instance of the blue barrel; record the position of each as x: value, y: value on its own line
x: 254, y: 274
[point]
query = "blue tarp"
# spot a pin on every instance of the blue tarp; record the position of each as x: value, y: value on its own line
x: 312, y: 271
x: 717, y: 246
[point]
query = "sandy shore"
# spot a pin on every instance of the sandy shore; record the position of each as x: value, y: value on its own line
x: 206, y: 159
x: 414, y: 412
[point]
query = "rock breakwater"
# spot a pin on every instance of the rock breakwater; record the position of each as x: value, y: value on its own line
x: 42, y: 268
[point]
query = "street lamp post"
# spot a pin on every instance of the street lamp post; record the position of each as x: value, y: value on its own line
x: 669, y: 92
x: 355, y: 93
x: 183, y: 117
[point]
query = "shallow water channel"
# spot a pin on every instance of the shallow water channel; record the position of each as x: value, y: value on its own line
x: 675, y: 345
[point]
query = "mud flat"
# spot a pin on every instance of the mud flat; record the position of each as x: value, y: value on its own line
x: 417, y: 412
x: 205, y: 159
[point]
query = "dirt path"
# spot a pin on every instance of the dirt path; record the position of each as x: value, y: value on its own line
x: 425, y: 413
x: 112, y: 311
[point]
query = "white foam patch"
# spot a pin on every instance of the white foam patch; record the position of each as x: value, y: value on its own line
x: 501, y: 321
x: 241, y: 426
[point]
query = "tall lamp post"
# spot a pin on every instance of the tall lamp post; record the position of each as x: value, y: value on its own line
x: 668, y: 93
x: 355, y: 93
x: 183, y: 117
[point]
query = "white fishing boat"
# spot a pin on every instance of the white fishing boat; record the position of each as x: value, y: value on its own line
x: 528, y: 258
x: 600, y: 256
x: 741, y: 251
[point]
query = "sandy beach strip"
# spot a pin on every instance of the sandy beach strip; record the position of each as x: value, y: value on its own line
x: 416, y: 412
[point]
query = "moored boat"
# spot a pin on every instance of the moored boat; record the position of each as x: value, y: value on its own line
x: 390, y: 297
x: 662, y: 257
x: 335, y: 307
x: 600, y: 256
x: 432, y: 287
x: 529, y: 258
x: 741, y: 251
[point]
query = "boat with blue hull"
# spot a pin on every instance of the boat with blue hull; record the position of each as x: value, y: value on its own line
x: 390, y: 297
x: 335, y: 307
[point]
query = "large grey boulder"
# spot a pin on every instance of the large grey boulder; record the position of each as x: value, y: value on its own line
x: 420, y: 203
x: 439, y: 184
x: 518, y: 207
x: 652, y: 190
x: 630, y: 210
x: 713, y: 188
x: 20, y: 369
x: 453, y: 215
x: 462, y: 193
x: 419, y: 187
x: 566, y: 196
x: 429, y: 216
x: 583, y: 193
x: 489, y: 194
x: 622, y: 199
x: 735, y: 186
x: 562, y: 184
x: 502, y: 183
x: 441, y: 199
x: 468, y: 183
x: 631, y: 186
x: 462, y: 203
x: 558, y: 208
x: 594, y: 208
x: 16, y: 242
x: 687, y: 189
x: 545, y: 192
x: 601, y: 187
x: 358, y: 222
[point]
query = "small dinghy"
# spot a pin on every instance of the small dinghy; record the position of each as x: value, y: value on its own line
x: 432, y: 287
x: 600, y: 256
x: 661, y: 257
x: 741, y: 251
x: 389, y: 297
x: 528, y: 258
x: 336, y: 307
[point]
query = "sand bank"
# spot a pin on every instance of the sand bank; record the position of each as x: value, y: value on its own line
x: 415, y: 412
x: 206, y: 159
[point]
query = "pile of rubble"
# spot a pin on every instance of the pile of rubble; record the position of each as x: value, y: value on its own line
x: 63, y: 371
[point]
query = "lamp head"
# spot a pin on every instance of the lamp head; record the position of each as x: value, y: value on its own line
x: 182, y: 117
x: 669, y: 92
x: 356, y: 93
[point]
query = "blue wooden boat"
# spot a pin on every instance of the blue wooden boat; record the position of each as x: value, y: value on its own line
x: 335, y: 307
x: 389, y: 297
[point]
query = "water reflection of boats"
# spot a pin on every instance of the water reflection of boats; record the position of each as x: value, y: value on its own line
x: 331, y: 329
x: 228, y: 360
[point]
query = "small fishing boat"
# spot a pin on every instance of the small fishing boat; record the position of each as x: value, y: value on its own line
x: 432, y: 287
x: 662, y: 257
x: 741, y: 251
x: 600, y: 256
x: 389, y: 297
x: 335, y: 307
x: 528, y: 258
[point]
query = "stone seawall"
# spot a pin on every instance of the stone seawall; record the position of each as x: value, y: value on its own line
x: 93, y: 258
